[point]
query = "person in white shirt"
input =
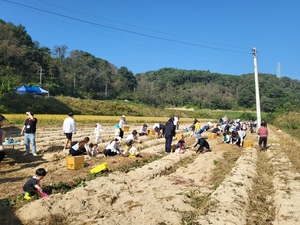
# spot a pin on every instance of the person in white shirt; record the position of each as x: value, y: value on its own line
x: 69, y: 128
x: 97, y: 133
x: 122, y: 123
x: 113, y: 148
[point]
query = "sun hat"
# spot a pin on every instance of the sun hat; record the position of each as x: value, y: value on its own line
x: 123, y: 116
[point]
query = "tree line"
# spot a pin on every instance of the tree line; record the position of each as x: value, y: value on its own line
x: 80, y: 74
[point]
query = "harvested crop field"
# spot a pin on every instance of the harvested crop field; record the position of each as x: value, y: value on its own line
x: 229, y: 185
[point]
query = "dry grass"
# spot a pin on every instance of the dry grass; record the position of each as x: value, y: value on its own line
x: 200, y: 200
x: 261, y: 209
x: 291, y: 148
x: 223, y: 167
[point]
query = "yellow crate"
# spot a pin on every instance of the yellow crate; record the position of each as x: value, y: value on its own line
x: 151, y: 132
x: 178, y: 137
x: 74, y: 162
x: 3, y: 135
x: 248, y: 143
x: 125, y: 128
x: 212, y: 135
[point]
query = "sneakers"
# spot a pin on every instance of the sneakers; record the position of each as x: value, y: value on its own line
x: 34, y: 154
x: 26, y: 153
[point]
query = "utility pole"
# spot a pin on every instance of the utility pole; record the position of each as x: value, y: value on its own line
x: 41, y: 74
x: 256, y: 88
x: 278, y: 69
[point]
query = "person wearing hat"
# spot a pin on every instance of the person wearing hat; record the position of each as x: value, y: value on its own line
x: 29, y: 130
x: 69, y: 128
x: 144, y: 130
x: 122, y: 123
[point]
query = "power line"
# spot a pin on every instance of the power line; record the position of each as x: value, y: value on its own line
x: 140, y: 27
x: 127, y: 31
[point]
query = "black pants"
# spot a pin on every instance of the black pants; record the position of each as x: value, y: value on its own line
x: 75, y: 153
x: 108, y: 152
x: 262, y: 142
x: 121, y: 133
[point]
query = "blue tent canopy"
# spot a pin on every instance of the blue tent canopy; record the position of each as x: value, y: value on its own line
x: 33, y: 90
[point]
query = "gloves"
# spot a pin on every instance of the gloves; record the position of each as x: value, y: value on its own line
x: 43, y: 194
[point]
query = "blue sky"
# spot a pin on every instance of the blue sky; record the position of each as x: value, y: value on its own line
x: 215, y: 35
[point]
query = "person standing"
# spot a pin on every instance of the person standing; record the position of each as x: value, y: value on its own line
x: 29, y: 130
x: 69, y: 128
x: 169, y: 133
x: 263, y: 136
x: 97, y: 132
x: 122, y: 123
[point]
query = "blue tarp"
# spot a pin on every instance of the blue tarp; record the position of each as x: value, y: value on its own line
x: 33, y: 90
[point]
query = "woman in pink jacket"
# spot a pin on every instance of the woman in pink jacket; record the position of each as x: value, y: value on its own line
x: 263, y: 136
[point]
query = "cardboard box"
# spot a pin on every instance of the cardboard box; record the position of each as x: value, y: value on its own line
x: 212, y: 135
x: 75, y: 162
x: 248, y: 143
x: 151, y: 132
x: 3, y: 136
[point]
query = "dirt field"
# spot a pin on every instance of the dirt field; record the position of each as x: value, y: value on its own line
x: 260, y: 187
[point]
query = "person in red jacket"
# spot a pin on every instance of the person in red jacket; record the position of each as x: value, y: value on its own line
x: 263, y: 136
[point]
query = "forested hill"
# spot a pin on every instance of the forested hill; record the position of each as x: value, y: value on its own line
x: 77, y: 73
x: 219, y: 91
